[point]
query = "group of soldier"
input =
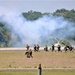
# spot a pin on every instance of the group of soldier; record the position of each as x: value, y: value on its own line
x: 36, y: 49
x: 52, y: 48
x: 66, y: 48
x: 29, y: 51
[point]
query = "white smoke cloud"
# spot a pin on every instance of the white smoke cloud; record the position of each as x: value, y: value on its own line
x: 32, y: 32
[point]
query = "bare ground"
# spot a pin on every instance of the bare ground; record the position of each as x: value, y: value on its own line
x: 17, y: 59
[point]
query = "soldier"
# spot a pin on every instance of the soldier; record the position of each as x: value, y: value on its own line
x: 27, y: 53
x: 37, y: 47
x: 34, y: 47
x: 68, y: 48
x: 71, y: 48
x: 30, y: 52
x: 59, y: 48
x: 46, y: 48
x: 52, y: 47
x: 27, y: 47
x: 65, y: 48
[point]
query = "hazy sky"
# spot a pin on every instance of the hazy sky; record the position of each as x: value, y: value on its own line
x: 36, y: 5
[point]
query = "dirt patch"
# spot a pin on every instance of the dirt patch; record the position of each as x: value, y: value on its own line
x: 47, y: 59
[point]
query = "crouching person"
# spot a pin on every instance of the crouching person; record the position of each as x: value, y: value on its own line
x: 46, y: 48
x: 29, y: 53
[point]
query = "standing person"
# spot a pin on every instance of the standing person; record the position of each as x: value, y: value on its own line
x: 34, y: 47
x: 27, y: 46
x: 65, y: 48
x: 53, y: 47
x: 37, y: 47
x: 59, y: 48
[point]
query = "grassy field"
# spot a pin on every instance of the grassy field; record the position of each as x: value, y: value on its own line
x: 47, y: 59
x: 51, y: 72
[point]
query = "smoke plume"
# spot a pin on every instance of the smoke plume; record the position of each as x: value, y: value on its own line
x: 37, y: 31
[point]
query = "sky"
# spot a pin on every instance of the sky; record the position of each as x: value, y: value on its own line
x: 35, y: 5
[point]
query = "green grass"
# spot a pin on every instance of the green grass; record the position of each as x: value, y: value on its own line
x: 18, y: 73
x: 51, y: 72
x: 59, y: 72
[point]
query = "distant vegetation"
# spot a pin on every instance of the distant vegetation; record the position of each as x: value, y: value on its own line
x: 4, y: 35
x: 5, y: 32
x: 32, y: 15
x: 67, y: 14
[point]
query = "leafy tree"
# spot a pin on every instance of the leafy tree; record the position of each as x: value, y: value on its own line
x: 4, y: 35
x: 30, y: 15
x: 67, y: 14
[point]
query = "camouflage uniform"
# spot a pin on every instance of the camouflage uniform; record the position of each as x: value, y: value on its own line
x: 52, y: 47
x: 46, y: 48
x: 34, y: 47
x: 27, y: 47
x: 37, y: 47
x: 29, y: 53
x: 59, y: 48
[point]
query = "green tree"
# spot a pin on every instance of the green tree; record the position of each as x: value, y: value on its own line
x: 4, y: 35
x: 32, y: 15
x: 67, y: 14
